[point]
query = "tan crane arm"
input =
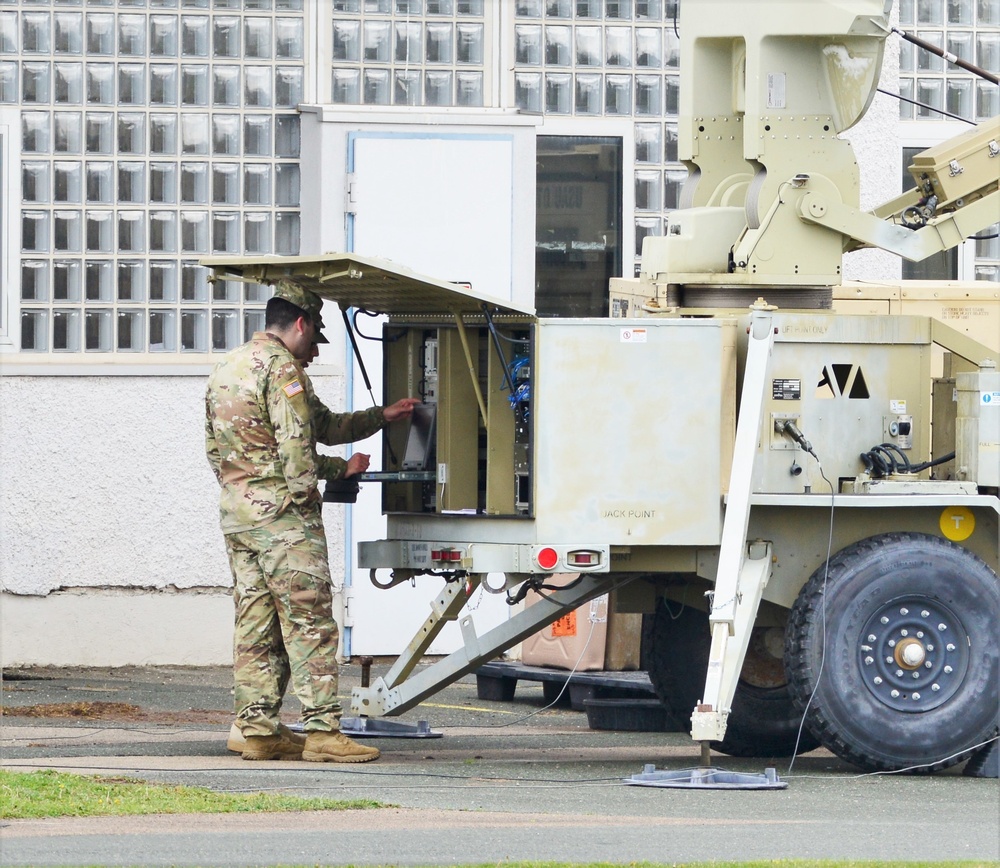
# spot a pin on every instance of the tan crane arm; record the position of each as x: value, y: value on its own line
x: 956, y: 196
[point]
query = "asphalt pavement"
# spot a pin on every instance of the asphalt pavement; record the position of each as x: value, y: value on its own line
x: 504, y: 781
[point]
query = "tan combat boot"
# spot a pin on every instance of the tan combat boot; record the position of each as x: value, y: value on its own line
x: 335, y: 747
x: 284, y: 744
x: 235, y: 742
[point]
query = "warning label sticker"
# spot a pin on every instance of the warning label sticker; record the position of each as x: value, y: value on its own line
x: 564, y: 626
x: 989, y: 398
x: 633, y: 336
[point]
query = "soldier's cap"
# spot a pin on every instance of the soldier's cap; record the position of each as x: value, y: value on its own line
x: 308, y: 301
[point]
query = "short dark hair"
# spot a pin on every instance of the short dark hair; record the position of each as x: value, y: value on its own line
x: 280, y: 313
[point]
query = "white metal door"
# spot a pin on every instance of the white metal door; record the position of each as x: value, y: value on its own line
x: 441, y: 204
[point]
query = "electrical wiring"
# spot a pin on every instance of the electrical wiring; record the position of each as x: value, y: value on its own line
x: 388, y: 339
x: 924, y: 106
x: 558, y: 695
x: 826, y: 574
x: 887, y: 459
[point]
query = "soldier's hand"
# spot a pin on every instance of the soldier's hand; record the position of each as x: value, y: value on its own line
x: 357, y: 463
x: 402, y: 409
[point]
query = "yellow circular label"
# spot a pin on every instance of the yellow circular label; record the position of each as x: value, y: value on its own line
x: 957, y: 523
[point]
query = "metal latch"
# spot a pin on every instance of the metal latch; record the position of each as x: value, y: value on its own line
x: 954, y: 168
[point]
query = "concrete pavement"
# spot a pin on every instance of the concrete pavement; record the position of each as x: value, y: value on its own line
x: 497, y: 786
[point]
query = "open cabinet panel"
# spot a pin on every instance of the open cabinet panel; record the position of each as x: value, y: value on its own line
x: 475, y: 382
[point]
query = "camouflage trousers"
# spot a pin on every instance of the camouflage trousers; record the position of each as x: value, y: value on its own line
x: 284, y: 623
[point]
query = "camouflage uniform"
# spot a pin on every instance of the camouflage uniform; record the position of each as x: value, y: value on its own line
x: 263, y: 422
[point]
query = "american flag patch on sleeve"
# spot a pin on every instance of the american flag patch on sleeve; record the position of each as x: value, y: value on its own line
x: 293, y: 388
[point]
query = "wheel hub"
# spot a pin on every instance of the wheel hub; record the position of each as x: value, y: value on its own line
x: 913, y: 654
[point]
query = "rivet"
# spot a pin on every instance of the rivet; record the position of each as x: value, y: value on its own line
x: 894, y: 694
x: 872, y: 637
x: 948, y: 670
x: 869, y: 661
x: 925, y: 614
x: 878, y: 679
x: 904, y: 611
x: 942, y: 627
x: 916, y: 695
x: 935, y: 686
x: 884, y: 619
x: 950, y: 647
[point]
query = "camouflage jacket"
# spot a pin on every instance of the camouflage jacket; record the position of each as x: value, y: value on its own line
x: 262, y: 423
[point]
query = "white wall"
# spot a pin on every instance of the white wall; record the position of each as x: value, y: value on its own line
x: 105, y: 488
x: 880, y: 160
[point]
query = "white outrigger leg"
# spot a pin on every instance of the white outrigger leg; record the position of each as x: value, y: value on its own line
x: 744, y: 570
x: 398, y: 691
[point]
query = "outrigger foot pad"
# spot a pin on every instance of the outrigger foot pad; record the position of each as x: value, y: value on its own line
x: 706, y: 779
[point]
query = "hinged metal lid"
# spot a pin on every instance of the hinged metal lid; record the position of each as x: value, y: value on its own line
x: 378, y: 285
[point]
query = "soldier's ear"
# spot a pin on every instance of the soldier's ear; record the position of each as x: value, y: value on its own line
x: 301, y: 324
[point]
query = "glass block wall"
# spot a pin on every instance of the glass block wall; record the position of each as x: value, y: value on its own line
x: 157, y: 131
x: 152, y: 132
x: 409, y: 52
x: 969, y: 29
x: 609, y: 58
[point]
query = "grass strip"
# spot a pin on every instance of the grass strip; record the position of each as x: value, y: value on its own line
x: 47, y: 793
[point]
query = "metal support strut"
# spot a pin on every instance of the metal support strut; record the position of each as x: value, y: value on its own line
x: 396, y: 692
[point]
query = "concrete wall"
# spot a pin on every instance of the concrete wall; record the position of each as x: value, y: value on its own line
x: 880, y: 161
x: 110, y: 548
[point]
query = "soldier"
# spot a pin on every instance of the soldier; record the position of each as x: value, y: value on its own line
x: 263, y: 422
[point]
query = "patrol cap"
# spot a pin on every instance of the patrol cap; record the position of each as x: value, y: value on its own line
x: 308, y: 301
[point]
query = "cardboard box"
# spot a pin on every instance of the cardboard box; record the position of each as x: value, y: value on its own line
x: 575, y: 641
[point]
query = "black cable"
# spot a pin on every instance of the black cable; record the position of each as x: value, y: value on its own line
x: 924, y: 105
x: 388, y: 339
x: 538, y: 585
x: 887, y: 459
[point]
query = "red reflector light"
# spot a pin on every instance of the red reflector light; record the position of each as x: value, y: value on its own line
x: 581, y: 558
x: 446, y: 555
x: 547, y: 558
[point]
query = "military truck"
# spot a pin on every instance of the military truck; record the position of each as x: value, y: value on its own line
x: 729, y: 451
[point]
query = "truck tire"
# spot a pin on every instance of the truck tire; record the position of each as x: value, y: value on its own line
x: 762, y: 723
x: 908, y: 677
